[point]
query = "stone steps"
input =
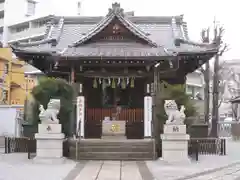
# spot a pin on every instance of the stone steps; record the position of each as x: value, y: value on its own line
x: 104, y: 149
x: 114, y: 149
x: 118, y: 156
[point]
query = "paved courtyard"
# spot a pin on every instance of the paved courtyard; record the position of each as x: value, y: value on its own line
x: 18, y: 167
x: 113, y: 170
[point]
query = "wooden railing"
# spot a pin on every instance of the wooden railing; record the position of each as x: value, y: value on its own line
x: 126, y: 114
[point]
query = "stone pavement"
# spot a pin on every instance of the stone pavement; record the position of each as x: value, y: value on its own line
x: 207, y: 165
x: 17, y: 166
x: 113, y: 170
x: 230, y: 173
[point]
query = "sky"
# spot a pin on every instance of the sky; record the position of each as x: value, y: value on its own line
x: 198, y: 15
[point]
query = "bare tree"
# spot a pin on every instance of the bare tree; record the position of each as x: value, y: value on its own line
x: 217, y: 39
x: 232, y: 79
x: 205, y: 71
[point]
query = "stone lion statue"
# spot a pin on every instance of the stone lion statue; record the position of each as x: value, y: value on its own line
x: 49, y: 115
x: 174, y: 115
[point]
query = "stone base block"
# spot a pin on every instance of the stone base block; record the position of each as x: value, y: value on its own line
x: 173, y: 137
x: 49, y: 128
x: 174, y: 129
x: 49, y: 144
x: 45, y: 160
x: 175, y: 151
x: 175, y: 144
x: 59, y: 136
x: 49, y: 147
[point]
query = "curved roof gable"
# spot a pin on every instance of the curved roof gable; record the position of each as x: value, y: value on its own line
x: 115, y: 12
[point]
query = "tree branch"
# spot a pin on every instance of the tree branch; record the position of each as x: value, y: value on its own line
x: 220, y: 102
x: 202, y: 69
x: 224, y: 49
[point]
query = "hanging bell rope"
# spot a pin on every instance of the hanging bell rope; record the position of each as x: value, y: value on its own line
x: 132, y: 83
x: 113, y: 84
x: 95, y: 83
x: 104, y: 85
x: 123, y: 84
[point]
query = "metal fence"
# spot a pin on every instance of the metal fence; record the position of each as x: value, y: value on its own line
x: 226, y: 129
x: 16, y: 144
x: 206, y: 146
x: 27, y: 145
x: 203, y: 146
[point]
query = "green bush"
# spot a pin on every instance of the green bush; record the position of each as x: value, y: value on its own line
x: 177, y: 93
x: 49, y: 88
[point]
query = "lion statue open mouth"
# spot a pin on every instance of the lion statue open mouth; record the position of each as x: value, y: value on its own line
x: 49, y: 115
x: 174, y: 115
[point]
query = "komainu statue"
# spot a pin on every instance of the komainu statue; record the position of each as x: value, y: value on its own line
x: 174, y: 115
x: 49, y: 115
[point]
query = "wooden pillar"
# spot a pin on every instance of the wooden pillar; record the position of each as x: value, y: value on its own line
x: 157, y: 103
x: 73, y: 113
x: 72, y: 75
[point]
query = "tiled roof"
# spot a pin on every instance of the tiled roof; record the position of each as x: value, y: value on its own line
x: 159, y: 32
x: 116, y: 50
x: 29, y: 69
x: 115, y: 12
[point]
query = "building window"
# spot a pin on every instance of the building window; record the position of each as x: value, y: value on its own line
x: 31, y: 7
x: 193, y: 91
x: 36, y: 39
x: 2, y: 16
x: 5, y: 96
x: 6, y: 68
x: 79, y: 8
x: 21, y: 28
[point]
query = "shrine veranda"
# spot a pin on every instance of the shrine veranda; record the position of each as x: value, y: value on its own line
x: 114, y: 63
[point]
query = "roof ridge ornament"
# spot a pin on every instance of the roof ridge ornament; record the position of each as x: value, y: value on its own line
x: 116, y: 9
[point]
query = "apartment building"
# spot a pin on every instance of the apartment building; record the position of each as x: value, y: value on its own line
x: 12, y: 78
x: 19, y: 11
x: 24, y: 21
x: 17, y: 79
x: 2, y: 2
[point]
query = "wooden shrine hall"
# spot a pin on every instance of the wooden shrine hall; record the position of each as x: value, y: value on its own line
x: 112, y: 60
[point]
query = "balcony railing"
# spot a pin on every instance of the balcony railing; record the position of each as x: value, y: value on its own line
x: 27, y: 33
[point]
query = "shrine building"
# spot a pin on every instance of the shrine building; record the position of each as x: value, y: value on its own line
x: 112, y: 60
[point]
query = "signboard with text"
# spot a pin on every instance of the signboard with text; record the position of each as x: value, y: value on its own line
x: 147, y: 116
x: 80, y: 116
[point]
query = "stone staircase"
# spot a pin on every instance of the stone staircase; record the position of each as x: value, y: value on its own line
x: 112, y: 149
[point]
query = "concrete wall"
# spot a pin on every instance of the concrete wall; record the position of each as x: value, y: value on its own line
x: 16, y: 10
x: 10, y: 125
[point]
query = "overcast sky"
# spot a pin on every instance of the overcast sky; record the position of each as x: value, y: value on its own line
x: 198, y: 14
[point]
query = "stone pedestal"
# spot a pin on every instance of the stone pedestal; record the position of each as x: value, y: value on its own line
x: 114, y: 129
x: 49, y: 143
x: 175, y: 144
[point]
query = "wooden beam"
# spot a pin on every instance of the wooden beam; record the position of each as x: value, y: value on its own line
x: 72, y: 75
